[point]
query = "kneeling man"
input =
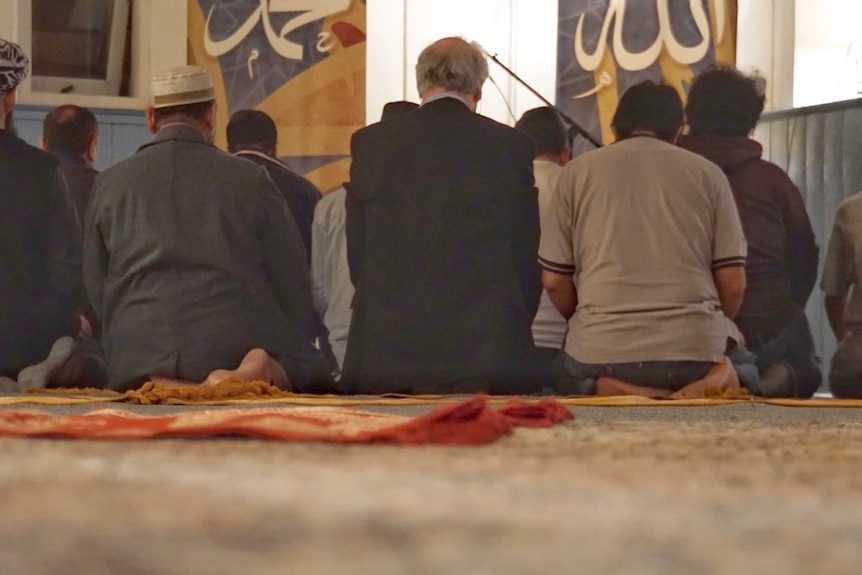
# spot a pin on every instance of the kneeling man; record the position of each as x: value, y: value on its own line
x: 192, y: 260
x: 650, y: 235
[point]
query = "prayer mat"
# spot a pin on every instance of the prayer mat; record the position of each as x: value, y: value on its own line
x: 235, y: 392
x: 471, y: 422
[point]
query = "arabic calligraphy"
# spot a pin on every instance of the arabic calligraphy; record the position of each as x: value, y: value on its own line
x: 635, y: 61
x: 605, y: 80
x: 309, y: 11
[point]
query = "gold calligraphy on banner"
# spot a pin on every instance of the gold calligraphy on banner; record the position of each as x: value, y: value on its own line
x: 311, y: 11
x: 612, y: 62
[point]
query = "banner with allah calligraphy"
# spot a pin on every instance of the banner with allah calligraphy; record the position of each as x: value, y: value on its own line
x: 300, y: 61
x: 606, y: 46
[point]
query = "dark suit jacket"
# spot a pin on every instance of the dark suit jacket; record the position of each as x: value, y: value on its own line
x: 40, y: 255
x: 79, y: 177
x: 191, y: 259
x: 301, y: 195
x: 443, y: 231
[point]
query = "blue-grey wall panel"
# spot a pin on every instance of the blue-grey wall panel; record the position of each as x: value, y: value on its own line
x: 820, y: 150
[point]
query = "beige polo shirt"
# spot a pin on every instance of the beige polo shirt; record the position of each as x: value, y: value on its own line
x: 643, y: 224
x: 842, y: 269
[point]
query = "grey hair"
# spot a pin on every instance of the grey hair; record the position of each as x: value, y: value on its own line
x: 456, y: 66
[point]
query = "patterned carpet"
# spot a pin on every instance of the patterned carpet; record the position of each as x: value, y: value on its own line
x: 741, y: 488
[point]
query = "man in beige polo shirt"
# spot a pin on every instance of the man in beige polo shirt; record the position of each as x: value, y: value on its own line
x: 842, y: 277
x: 652, y: 238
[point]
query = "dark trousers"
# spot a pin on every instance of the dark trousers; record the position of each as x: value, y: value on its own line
x: 845, y: 373
x: 792, y: 346
x: 576, y: 378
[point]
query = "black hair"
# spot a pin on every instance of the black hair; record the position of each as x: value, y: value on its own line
x: 69, y: 128
x: 651, y: 107
x: 546, y: 128
x: 251, y: 129
x: 725, y: 102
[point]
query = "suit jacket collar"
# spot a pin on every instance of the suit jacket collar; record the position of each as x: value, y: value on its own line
x: 178, y: 131
x: 446, y: 104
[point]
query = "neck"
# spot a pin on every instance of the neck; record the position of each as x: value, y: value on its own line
x: 197, y: 127
x: 438, y: 92
x: 259, y: 149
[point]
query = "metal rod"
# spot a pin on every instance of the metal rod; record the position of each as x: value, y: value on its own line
x: 587, y: 136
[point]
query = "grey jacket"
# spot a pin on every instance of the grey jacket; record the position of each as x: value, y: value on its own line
x: 191, y: 259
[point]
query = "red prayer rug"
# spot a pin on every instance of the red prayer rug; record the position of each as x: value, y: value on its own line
x: 472, y: 422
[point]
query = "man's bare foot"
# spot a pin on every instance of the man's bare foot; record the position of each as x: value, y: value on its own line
x: 720, y: 377
x: 257, y: 365
x: 609, y: 386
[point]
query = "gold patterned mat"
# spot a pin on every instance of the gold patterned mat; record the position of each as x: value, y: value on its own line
x: 81, y: 397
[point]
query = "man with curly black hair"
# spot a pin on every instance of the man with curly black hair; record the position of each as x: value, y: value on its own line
x: 723, y: 108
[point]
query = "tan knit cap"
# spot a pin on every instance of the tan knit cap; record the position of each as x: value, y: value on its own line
x: 182, y: 85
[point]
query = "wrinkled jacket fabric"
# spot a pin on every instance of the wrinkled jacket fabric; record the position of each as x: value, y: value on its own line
x: 191, y: 259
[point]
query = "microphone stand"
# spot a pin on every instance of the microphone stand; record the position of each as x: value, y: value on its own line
x: 575, y: 126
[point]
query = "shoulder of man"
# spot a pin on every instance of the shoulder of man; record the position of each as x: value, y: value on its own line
x: 23, y: 151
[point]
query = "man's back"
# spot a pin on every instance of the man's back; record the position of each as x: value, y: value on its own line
x: 192, y: 259
x: 648, y: 223
x: 444, y: 260
x: 301, y: 194
x: 39, y: 255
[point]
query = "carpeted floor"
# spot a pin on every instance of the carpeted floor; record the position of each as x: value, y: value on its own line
x: 741, y: 488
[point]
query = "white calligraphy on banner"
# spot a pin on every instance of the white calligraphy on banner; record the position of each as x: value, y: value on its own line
x: 634, y: 61
x: 312, y: 10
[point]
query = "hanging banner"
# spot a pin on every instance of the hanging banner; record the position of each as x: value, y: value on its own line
x: 606, y: 46
x: 300, y: 61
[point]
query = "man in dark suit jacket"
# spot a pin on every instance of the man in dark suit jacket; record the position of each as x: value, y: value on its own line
x: 71, y: 134
x: 40, y: 242
x: 252, y: 135
x: 442, y: 231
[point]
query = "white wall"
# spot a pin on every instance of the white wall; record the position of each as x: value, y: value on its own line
x: 521, y: 33
x: 828, y: 59
x: 765, y: 43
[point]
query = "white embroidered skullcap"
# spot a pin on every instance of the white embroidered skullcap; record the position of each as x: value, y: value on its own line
x: 13, y: 65
x: 182, y: 85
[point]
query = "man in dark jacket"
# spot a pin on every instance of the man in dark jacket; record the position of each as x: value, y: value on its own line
x: 442, y: 236
x: 252, y: 135
x: 723, y: 109
x: 40, y: 257
x: 71, y: 134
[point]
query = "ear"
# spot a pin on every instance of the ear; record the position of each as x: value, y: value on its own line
x: 210, y: 122
x: 151, y: 119
x: 93, y: 150
x: 565, y: 156
x: 42, y: 145
x: 9, y: 100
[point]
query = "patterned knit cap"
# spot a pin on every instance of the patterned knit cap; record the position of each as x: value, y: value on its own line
x: 13, y: 65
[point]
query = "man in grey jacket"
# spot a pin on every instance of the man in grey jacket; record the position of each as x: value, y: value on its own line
x: 192, y: 260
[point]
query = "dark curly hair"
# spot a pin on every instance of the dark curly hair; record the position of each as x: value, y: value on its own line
x: 723, y: 101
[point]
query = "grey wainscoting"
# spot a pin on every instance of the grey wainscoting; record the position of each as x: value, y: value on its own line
x: 121, y: 132
x: 821, y: 149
